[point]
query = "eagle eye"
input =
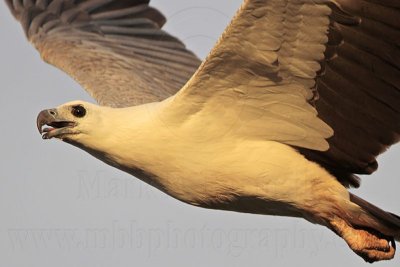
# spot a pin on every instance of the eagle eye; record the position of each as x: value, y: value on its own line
x: 78, y: 111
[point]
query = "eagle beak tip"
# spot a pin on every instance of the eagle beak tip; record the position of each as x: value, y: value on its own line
x: 43, y: 118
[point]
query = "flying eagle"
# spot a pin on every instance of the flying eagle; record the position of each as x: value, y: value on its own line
x: 295, y: 99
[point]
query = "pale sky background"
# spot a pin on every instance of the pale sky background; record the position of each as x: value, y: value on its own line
x: 61, y: 207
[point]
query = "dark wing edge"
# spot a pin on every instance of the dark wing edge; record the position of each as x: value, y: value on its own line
x: 115, y: 49
x: 359, y: 87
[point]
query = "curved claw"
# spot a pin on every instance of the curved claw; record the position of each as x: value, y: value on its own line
x: 370, y: 246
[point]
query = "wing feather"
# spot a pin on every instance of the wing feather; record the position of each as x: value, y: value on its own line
x: 320, y: 75
x: 263, y: 70
x: 291, y: 71
x: 115, y: 49
x: 361, y: 83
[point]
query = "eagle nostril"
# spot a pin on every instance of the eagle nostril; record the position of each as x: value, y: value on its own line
x: 52, y: 112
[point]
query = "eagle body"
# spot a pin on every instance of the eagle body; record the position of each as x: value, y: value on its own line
x: 294, y: 100
x: 209, y: 168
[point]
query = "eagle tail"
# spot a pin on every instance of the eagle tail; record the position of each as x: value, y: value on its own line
x: 385, y: 222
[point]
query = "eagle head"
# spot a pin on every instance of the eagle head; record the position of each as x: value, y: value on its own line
x: 68, y: 121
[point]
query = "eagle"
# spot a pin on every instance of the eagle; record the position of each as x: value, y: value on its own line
x: 296, y: 98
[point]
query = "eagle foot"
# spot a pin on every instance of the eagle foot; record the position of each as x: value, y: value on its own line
x: 367, y: 243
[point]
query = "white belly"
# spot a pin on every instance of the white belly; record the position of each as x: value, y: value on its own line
x: 258, y: 177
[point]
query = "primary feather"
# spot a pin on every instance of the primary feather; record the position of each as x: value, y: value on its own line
x: 296, y: 98
x: 115, y: 49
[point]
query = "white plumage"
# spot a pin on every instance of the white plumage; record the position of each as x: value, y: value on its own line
x: 272, y: 122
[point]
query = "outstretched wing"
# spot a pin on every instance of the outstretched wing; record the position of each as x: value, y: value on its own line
x: 359, y: 85
x: 114, y: 49
x: 293, y: 70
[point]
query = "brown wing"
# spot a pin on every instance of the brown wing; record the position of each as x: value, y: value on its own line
x: 114, y: 49
x: 359, y: 86
x: 267, y: 66
x: 258, y: 80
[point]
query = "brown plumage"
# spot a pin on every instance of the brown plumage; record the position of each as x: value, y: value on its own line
x: 359, y: 87
x: 319, y: 77
x: 105, y: 45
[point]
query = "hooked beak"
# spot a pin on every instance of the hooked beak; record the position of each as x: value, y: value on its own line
x: 57, y: 126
